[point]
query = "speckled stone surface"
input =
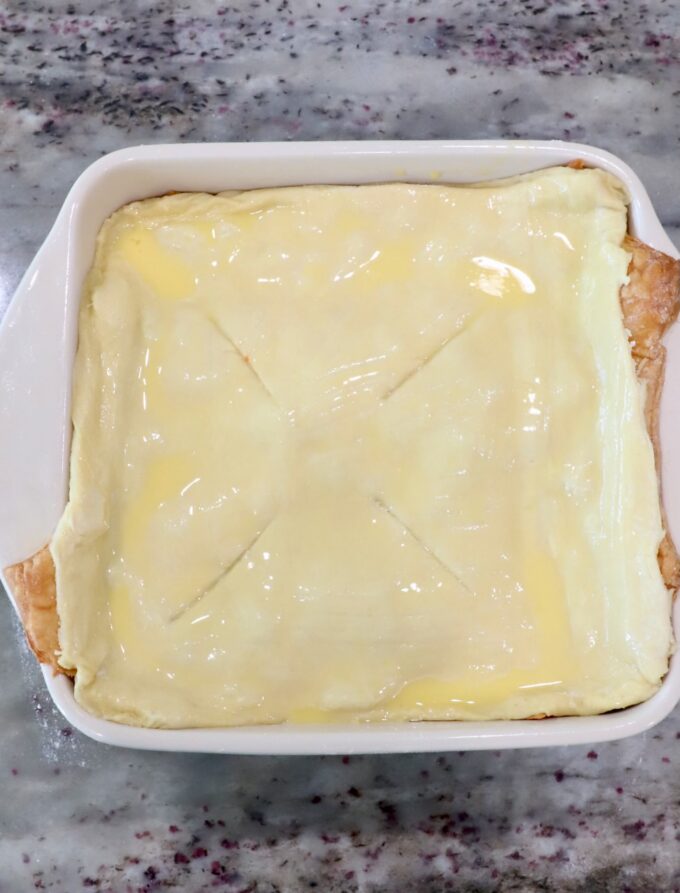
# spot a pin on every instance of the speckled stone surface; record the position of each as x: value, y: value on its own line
x: 77, y: 80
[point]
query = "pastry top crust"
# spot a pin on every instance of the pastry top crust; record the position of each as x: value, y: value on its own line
x: 649, y: 301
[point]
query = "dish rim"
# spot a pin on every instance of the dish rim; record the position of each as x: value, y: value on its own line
x: 59, y: 266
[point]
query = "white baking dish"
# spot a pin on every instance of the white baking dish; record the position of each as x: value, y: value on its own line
x: 37, y: 344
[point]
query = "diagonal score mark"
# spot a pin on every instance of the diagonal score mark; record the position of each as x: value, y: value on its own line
x: 423, y: 545
x: 428, y: 359
x: 227, y: 337
x: 222, y: 574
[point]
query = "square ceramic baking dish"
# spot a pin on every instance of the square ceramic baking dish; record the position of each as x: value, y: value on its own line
x: 37, y: 345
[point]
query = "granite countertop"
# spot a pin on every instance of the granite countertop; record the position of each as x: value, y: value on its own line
x: 78, y: 80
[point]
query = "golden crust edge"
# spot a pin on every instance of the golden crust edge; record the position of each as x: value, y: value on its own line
x: 650, y: 302
x: 34, y: 587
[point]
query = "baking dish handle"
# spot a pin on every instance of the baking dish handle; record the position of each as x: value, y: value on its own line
x: 37, y: 348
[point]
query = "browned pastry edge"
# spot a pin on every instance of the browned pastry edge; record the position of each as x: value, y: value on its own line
x: 649, y: 301
x: 33, y: 585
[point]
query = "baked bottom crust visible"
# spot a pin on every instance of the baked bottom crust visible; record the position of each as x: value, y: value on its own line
x: 649, y: 304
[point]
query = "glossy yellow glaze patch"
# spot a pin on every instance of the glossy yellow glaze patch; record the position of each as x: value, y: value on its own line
x: 361, y: 454
x: 164, y: 479
x: 167, y: 275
